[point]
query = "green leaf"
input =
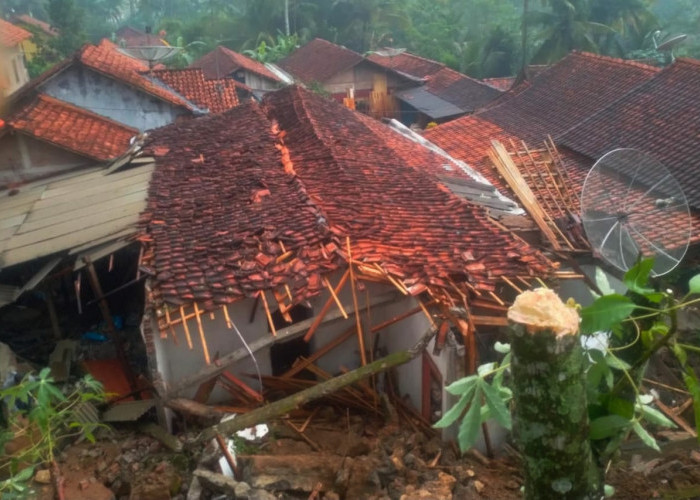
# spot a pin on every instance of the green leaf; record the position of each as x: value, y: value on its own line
x: 607, y: 426
x: 484, y: 369
x: 616, y: 363
x: 647, y: 438
x: 498, y: 408
x: 469, y: 429
x: 656, y: 417
x: 463, y: 385
x: 453, y: 413
x: 637, y: 278
x: 601, y: 279
x: 25, y: 474
x: 694, y: 284
x: 605, y: 312
x: 501, y: 348
x: 621, y: 407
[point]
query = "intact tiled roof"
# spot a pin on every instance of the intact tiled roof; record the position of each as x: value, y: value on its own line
x: 72, y: 128
x: 410, y: 64
x: 223, y: 61
x: 568, y: 92
x: 302, y: 171
x: 659, y: 118
x: 464, y: 92
x: 214, y: 95
x: 33, y: 21
x: 107, y: 59
x: 319, y: 60
x: 11, y: 35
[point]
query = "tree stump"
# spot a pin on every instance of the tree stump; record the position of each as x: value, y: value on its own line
x: 550, y: 423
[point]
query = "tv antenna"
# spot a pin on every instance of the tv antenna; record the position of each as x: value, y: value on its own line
x: 631, y: 208
x: 152, y: 53
x: 669, y: 44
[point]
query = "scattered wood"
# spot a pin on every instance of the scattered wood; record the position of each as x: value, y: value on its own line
x: 673, y: 415
x: 205, y: 348
x: 185, y: 327
x: 193, y: 409
x: 229, y: 458
x: 358, y: 322
x: 289, y: 403
x: 303, y: 436
x: 326, y: 307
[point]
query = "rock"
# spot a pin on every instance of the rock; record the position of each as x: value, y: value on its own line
x: 479, y: 486
x: 43, y: 476
x: 216, y: 482
x: 195, y: 490
x: 261, y: 495
x: 290, y: 472
x: 242, y: 490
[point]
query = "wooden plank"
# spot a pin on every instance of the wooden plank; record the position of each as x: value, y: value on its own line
x: 261, y: 294
x: 326, y: 307
x: 64, y: 242
x: 490, y: 320
x: 243, y: 386
x: 75, y: 201
x: 71, y: 226
x: 335, y: 297
x: 185, y: 327
x: 98, y: 185
x: 205, y: 348
x: 319, y: 353
x: 85, y: 216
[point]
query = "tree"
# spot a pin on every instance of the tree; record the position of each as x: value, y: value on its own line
x: 68, y: 18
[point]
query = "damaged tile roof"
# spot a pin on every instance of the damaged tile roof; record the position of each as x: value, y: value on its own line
x: 659, y: 118
x: 405, y: 62
x: 566, y: 93
x: 503, y: 83
x: 214, y: 95
x: 301, y: 173
x: 319, y: 60
x: 223, y: 61
x: 11, y: 35
x: 72, y: 128
x: 106, y: 58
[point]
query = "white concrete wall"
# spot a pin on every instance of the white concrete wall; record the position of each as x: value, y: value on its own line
x: 108, y: 97
x: 14, y: 72
x: 24, y: 158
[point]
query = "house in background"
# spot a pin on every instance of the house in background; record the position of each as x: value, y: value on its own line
x: 345, y: 74
x: 88, y: 108
x: 445, y: 94
x: 41, y: 31
x: 129, y: 37
x: 13, y: 72
x: 223, y: 62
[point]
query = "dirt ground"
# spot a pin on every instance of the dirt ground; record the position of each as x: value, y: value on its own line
x: 345, y: 457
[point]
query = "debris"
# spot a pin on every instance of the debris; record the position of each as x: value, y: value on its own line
x: 479, y: 486
x: 324, y: 388
x: 217, y: 482
x: 43, y: 476
x: 61, y: 359
x: 157, y: 432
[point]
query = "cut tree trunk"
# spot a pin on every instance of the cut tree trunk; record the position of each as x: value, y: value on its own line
x: 294, y: 401
x: 550, y: 421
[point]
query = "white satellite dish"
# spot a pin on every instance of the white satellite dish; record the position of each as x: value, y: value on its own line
x: 669, y: 44
x: 631, y: 208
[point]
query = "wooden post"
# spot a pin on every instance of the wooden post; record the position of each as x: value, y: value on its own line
x: 51, y: 306
x: 111, y: 329
x: 550, y: 423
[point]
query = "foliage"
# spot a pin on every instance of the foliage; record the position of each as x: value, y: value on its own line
x: 284, y: 45
x: 640, y: 322
x: 46, y: 417
x: 69, y: 19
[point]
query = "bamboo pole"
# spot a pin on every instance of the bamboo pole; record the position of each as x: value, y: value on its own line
x: 358, y: 320
x: 261, y: 294
x: 326, y: 307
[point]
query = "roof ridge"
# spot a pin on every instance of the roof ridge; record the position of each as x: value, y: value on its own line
x: 83, y: 111
x: 618, y: 60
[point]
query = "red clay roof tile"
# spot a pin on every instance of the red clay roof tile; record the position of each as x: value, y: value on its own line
x: 214, y: 95
x: 659, y: 117
x: 224, y: 201
x: 11, y: 35
x: 413, y: 65
x: 222, y: 61
x: 566, y: 93
x: 319, y: 60
x: 107, y: 59
x: 73, y: 128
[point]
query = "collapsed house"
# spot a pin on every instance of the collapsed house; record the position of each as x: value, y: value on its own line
x: 289, y: 235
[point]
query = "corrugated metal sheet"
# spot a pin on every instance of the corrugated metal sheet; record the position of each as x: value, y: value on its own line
x: 70, y: 211
x: 428, y: 104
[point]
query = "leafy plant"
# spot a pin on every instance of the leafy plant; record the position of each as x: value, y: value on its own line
x: 42, y: 416
x: 640, y: 322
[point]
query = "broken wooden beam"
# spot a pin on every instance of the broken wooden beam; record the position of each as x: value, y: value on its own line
x: 294, y: 401
x: 288, y: 333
